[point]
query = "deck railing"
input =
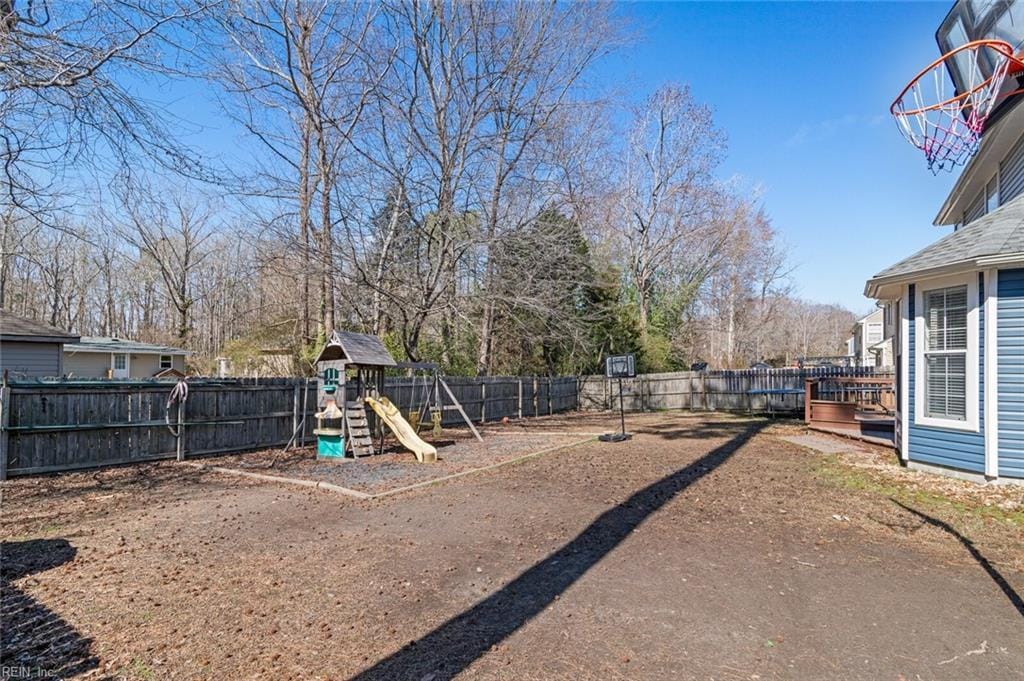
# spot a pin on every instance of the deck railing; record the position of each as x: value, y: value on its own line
x: 847, y: 402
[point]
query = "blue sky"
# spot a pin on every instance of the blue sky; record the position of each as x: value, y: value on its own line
x: 803, y: 92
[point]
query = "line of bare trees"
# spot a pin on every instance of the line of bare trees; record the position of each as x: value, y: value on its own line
x: 447, y: 175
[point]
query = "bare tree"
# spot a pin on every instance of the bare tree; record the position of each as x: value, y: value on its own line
x: 537, y: 53
x: 741, y: 297
x: 64, y: 105
x: 173, y: 235
x: 669, y: 199
x: 301, y: 74
x: 428, y: 118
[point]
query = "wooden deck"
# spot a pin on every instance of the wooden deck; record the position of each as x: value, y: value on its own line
x: 874, y: 430
x: 859, y: 408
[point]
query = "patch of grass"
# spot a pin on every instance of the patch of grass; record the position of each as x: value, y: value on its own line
x: 38, y: 532
x: 141, y: 670
x: 833, y: 471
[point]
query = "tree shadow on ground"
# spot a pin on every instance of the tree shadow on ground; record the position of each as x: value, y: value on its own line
x: 35, y: 642
x: 703, y: 429
x: 1014, y: 598
x: 456, y: 644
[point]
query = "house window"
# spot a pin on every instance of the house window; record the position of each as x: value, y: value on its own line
x: 945, y: 353
x: 874, y: 333
x: 166, y: 362
x: 120, y: 362
x: 992, y: 194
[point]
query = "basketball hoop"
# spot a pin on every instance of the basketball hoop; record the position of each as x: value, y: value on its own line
x: 947, y: 126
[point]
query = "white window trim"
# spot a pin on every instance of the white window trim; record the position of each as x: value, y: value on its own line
x: 904, y: 397
x: 991, y: 374
x: 997, y: 180
x: 970, y: 423
x: 170, y: 362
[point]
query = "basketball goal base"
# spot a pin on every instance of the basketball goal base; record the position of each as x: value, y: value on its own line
x: 615, y: 437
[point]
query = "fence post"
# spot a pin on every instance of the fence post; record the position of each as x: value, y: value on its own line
x: 536, y: 398
x: 483, y: 401
x: 295, y: 411
x: 808, y: 382
x: 5, y: 420
x: 305, y: 408
x: 520, y: 409
x: 550, y: 408
x: 180, y: 444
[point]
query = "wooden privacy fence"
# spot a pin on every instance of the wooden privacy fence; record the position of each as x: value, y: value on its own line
x: 492, y: 398
x: 770, y: 390
x: 61, y: 425
x: 52, y: 426
x: 48, y: 426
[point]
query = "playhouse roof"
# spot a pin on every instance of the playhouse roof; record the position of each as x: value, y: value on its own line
x: 997, y: 234
x: 359, y: 349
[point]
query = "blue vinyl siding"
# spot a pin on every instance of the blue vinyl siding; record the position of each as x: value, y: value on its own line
x: 938, y: 446
x: 1010, y: 351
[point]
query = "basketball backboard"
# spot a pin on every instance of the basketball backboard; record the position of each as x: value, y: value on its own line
x: 971, y: 20
x: 945, y: 109
x: 620, y: 366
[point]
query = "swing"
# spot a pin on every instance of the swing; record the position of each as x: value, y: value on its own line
x: 435, y: 417
x: 417, y: 409
x: 429, y: 401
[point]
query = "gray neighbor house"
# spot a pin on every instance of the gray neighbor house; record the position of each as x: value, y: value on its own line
x: 31, y: 349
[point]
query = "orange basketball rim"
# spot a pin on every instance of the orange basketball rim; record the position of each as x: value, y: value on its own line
x: 944, y: 122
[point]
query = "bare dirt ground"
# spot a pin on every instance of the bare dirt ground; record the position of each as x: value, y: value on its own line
x: 704, y: 548
x: 396, y: 468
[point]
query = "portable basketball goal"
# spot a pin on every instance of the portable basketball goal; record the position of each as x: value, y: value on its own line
x: 620, y: 367
x: 945, y: 119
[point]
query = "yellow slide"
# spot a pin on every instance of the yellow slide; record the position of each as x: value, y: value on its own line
x: 425, y: 453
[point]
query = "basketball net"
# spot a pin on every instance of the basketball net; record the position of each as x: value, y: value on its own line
x: 945, y: 125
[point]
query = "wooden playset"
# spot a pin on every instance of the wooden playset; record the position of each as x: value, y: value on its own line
x: 344, y: 429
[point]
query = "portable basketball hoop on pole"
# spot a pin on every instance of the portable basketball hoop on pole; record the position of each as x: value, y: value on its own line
x: 946, y: 121
x: 619, y: 367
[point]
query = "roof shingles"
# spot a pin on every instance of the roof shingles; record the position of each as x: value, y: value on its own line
x: 13, y: 328
x: 1001, y: 232
x: 107, y: 344
x: 358, y: 349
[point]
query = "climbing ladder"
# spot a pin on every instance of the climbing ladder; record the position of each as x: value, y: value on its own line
x: 358, y: 428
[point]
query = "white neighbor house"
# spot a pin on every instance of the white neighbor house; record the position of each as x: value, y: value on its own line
x: 871, y: 342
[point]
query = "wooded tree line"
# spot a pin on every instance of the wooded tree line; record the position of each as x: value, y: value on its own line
x: 444, y: 174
